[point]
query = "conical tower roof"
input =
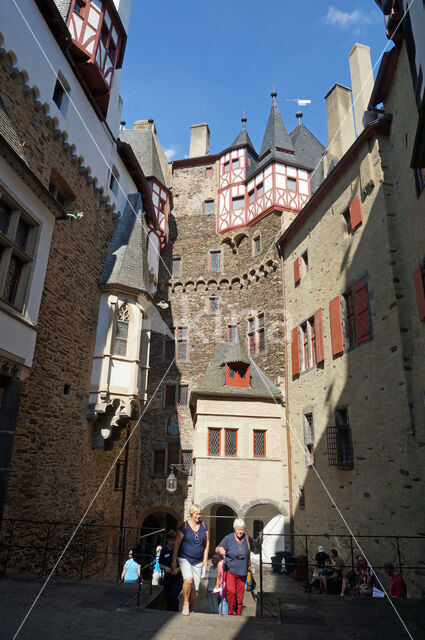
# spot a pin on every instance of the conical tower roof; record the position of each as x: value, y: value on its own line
x: 243, y: 138
x: 276, y: 135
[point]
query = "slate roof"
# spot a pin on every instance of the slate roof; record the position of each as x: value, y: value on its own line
x: 9, y: 133
x: 146, y: 151
x: 126, y: 264
x: 214, y: 380
x: 308, y: 152
x: 242, y: 138
x: 276, y: 134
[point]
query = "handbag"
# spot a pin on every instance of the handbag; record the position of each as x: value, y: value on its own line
x: 250, y: 582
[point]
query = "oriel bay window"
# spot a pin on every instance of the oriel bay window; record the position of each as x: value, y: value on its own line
x: 18, y: 237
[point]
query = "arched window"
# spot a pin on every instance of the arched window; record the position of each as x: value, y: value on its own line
x: 121, y: 331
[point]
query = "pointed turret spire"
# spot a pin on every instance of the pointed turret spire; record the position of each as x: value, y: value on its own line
x: 243, y: 137
x: 276, y: 136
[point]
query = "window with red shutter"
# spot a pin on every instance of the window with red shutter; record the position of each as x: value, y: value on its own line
x: 318, y: 329
x: 355, y: 210
x: 420, y: 291
x: 336, y: 326
x: 297, y: 274
x: 361, y: 310
x: 295, y: 351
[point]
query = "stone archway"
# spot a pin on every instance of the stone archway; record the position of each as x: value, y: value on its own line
x: 269, y: 518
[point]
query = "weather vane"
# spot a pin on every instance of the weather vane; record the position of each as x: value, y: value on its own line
x: 301, y: 103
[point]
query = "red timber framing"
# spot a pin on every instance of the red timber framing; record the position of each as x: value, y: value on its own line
x: 420, y: 291
x: 263, y: 192
x: 162, y: 205
x: 98, y: 42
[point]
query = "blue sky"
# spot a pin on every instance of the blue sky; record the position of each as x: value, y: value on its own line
x: 199, y: 61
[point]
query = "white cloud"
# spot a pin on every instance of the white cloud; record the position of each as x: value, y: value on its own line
x: 338, y: 18
x: 170, y: 153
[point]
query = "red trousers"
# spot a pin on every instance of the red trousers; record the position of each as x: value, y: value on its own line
x: 235, y: 587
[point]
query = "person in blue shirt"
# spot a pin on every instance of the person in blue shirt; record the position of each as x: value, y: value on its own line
x: 191, y: 554
x: 236, y: 549
x: 131, y: 570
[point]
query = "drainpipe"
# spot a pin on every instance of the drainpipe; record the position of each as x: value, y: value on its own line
x: 124, y: 491
x: 288, y: 432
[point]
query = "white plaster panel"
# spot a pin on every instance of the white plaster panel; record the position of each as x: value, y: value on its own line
x: 120, y: 373
x: 303, y: 186
x: 280, y: 168
x: 268, y: 183
x: 259, y: 179
x: 268, y: 171
x: 251, y: 185
x: 303, y: 175
x: 280, y: 181
x: 291, y: 171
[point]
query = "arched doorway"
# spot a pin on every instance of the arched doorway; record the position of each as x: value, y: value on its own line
x: 219, y: 517
x: 150, y: 532
x: 267, y: 519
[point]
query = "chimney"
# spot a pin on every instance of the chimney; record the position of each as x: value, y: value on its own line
x: 145, y: 124
x: 339, y: 114
x: 361, y: 81
x: 199, y: 140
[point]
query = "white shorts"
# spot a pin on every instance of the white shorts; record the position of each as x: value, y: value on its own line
x: 190, y: 571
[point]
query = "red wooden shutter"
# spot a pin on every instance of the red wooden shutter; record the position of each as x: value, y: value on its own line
x: 355, y: 209
x: 361, y: 311
x: 297, y: 274
x: 420, y: 293
x: 336, y: 326
x: 318, y: 329
x: 295, y: 352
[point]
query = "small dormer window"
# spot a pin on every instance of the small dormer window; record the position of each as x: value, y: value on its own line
x: 237, y: 374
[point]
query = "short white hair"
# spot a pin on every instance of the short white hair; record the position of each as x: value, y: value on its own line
x: 238, y: 523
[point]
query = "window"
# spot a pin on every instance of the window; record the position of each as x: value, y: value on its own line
x: 182, y: 341
x: 114, y: 180
x: 208, y: 172
x: 169, y: 346
x: 214, y: 442
x: 186, y: 461
x: 158, y: 462
x: 226, y: 167
x: 259, y: 444
x: 238, y: 203
x: 209, y: 207
x: 251, y: 196
x: 308, y: 438
x: 121, y: 331
x: 176, y: 265
x: 230, y: 442
x: 260, y: 190
x: 173, y: 455
x: 301, y: 498
x: 357, y: 317
x: 215, y: 260
x: 237, y: 374
x: 339, y: 441
x: 60, y: 189
x: 308, y: 344
x: 18, y: 235
x: 256, y: 245
x: 232, y: 333
x: 60, y: 94
x: 176, y: 394
x: 79, y: 7
x: 235, y: 163
x: 214, y: 305
x: 291, y: 184
x: 183, y: 395
x: 256, y: 335
x: 304, y: 259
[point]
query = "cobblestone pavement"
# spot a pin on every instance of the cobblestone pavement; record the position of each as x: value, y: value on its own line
x: 91, y: 611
